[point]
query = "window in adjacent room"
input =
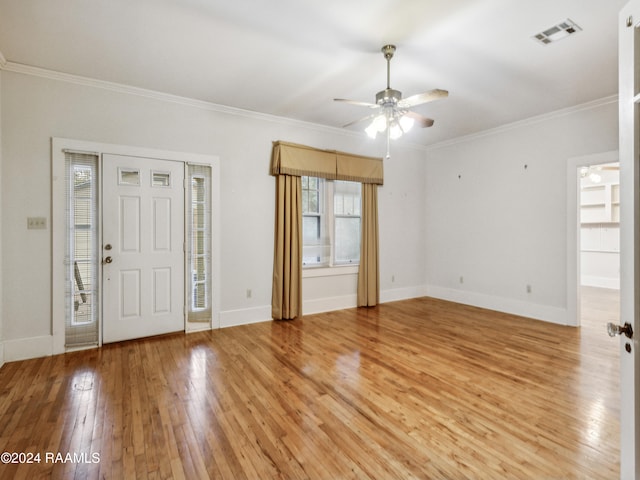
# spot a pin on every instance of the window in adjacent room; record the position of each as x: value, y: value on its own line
x: 330, y: 222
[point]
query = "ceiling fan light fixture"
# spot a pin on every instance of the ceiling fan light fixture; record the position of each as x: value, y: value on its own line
x: 380, y: 123
x: 371, y: 131
x: 406, y: 123
x: 395, y: 131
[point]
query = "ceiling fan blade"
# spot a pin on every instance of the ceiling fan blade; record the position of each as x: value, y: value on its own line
x: 421, y: 98
x: 421, y: 120
x: 368, y: 117
x: 355, y: 102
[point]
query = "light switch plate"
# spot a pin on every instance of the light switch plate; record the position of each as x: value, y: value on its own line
x: 36, y: 223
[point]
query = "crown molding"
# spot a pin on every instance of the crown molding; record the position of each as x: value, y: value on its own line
x: 185, y: 101
x: 167, y: 97
x: 24, y: 69
x: 525, y: 122
x: 142, y: 92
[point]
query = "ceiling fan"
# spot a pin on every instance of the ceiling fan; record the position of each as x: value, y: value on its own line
x: 393, y: 113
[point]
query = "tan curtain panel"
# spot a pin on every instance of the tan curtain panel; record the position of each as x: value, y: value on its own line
x: 286, y: 294
x: 299, y: 160
x: 368, y: 273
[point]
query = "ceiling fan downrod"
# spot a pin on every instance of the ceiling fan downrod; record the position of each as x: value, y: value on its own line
x: 388, y: 96
x: 388, y: 51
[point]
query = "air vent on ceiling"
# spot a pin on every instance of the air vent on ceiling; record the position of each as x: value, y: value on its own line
x: 557, y: 32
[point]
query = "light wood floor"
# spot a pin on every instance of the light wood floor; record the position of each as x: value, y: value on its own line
x: 413, y: 389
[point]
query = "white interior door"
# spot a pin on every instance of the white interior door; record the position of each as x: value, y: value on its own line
x: 143, y: 247
x: 629, y: 98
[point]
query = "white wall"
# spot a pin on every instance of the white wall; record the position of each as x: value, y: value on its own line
x: 36, y: 108
x: 497, y: 211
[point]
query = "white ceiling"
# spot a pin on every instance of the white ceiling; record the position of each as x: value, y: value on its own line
x: 292, y: 57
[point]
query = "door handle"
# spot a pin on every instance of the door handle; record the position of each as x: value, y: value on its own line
x: 613, y: 329
x: 108, y: 260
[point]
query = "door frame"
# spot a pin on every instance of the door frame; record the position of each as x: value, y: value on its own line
x: 58, y: 224
x: 629, y: 121
x: 573, y: 228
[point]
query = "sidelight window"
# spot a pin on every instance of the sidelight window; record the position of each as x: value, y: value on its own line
x: 199, y: 242
x: 81, y: 255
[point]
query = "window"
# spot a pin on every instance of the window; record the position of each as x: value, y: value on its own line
x: 199, y: 243
x: 346, y: 210
x: 81, y: 256
x: 330, y: 222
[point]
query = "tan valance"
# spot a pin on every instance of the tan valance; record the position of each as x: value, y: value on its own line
x: 299, y: 160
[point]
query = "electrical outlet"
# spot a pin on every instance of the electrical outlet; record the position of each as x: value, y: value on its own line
x: 393, y: 278
x: 528, y: 288
x: 249, y: 293
x: 36, y: 223
x: 461, y: 279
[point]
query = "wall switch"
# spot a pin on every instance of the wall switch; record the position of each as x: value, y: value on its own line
x: 36, y: 223
x: 393, y: 278
x: 528, y: 288
x: 249, y: 293
x: 461, y: 279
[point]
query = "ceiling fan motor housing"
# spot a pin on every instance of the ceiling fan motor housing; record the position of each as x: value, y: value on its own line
x: 388, y: 96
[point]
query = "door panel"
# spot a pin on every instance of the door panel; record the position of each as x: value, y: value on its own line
x: 629, y: 98
x: 143, y: 267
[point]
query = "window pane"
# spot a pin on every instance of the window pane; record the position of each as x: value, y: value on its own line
x: 347, y: 240
x: 346, y: 198
x: 316, y: 249
x: 314, y: 201
x: 312, y: 194
x: 129, y: 176
x: 310, y: 230
x: 160, y: 179
x: 314, y: 255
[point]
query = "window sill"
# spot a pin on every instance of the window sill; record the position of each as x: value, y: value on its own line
x: 311, y: 272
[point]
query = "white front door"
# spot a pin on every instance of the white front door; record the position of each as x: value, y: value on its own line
x: 629, y: 98
x: 143, y: 247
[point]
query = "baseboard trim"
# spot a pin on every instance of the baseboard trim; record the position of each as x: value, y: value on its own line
x: 329, y: 304
x: 405, y: 293
x: 26, y: 348
x: 601, y: 282
x: 245, y: 316
x: 500, y: 304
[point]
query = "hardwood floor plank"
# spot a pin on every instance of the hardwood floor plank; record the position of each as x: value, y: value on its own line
x: 415, y: 389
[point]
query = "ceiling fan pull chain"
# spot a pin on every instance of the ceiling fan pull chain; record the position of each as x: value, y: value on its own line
x: 388, y: 144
